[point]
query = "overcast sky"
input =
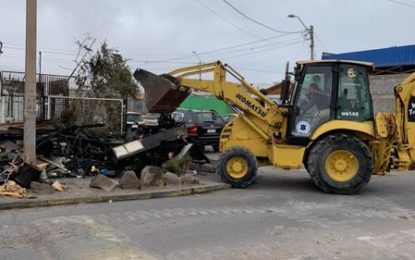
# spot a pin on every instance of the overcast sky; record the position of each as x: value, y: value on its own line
x: 162, y: 35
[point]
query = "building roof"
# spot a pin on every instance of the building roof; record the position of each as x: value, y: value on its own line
x: 382, y: 58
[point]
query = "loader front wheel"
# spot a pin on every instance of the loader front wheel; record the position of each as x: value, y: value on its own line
x: 340, y: 164
x: 237, y: 166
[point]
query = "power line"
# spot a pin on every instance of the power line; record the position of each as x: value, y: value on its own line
x: 43, y: 50
x: 243, y: 49
x: 161, y: 62
x: 216, y: 50
x: 257, y: 70
x: 321, y: 43
x: 224, y: 50
x: 22, y: 55
x: 74, y: 53
x: 257, y: 48
x: 285, y: 56
x: 253, y: 20
x: 219, y: 50
x: 44, y: 60
x: 252, y: 51
x: 243, y: 44
x: 263, y: 50
x: 225, y: 20
x: 402, y: 3
x: 20, y: 47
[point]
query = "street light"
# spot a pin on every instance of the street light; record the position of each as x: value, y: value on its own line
x: 310, y: 32
x: 200, y: 63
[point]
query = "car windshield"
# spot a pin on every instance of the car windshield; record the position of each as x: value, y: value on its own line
x: 208, y: 117
x: 133, y: 117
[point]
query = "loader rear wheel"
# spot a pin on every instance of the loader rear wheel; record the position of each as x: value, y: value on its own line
x: 340, y: 164
x: 237, y: 166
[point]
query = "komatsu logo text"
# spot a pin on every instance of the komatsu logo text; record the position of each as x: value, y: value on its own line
x: 253, y: 107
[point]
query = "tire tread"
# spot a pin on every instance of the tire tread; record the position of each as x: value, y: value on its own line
x: 329, y: 141
x: 244, y: 182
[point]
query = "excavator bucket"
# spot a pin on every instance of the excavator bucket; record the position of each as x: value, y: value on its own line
x: 163, y: 94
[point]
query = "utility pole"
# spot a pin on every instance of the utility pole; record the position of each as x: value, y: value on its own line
x: 310, y: 32
x: 29, y: 142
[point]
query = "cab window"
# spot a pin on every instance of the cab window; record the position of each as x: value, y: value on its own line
x: 312, y: 104
x: 353, y: 102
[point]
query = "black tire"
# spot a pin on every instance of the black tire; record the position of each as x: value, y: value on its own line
x: 215, y: 147
x: 334, y: 143
x: 239, y: 153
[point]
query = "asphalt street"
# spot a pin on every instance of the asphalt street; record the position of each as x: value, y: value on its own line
x: 281, y: 216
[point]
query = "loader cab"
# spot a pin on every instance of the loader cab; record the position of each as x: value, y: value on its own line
x: 325, y: 91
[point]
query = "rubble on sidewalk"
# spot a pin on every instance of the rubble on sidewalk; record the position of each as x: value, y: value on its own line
x: 159, y: 157
x: 171, y: 179
x: 152, y: 176
x: 102, y: 182
x: 129, y: 180
x: 189, y: 179
x: 12, y: 189
x: 56, y: 185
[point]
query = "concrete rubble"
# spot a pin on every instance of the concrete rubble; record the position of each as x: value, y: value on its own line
x: 129, y: 180
x: 161, y: 159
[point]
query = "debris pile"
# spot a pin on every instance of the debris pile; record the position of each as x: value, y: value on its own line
x: 12, y: 189
x: 153, y: 159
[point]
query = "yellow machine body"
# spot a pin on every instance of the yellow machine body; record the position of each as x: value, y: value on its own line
x: 260, y: 132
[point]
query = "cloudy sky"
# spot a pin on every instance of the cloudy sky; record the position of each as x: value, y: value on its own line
x: 255, y: 37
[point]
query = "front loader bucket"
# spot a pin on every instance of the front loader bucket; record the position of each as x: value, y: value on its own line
x: 163, y: 94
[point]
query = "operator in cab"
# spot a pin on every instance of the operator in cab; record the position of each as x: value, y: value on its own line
x: 317, y: 99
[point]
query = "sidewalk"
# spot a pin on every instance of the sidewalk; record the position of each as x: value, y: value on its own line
x: 79, y: 192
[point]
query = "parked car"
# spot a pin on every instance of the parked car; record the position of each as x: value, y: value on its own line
x: 203, y: 126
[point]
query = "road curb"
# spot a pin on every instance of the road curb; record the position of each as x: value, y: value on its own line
x: 140, y: 195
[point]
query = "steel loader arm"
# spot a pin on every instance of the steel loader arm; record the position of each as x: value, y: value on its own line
x: 242, y: 95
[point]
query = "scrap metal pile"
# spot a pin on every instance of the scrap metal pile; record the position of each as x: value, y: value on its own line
x: 79, y: 151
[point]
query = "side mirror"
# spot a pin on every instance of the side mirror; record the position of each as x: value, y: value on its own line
x: 285, y: 87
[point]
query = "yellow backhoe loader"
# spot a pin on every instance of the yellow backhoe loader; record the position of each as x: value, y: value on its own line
x: 324, y: 122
